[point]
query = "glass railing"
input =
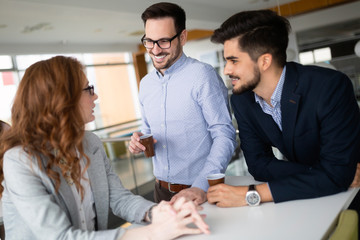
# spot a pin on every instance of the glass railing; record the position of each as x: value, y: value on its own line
x: 134, y: 171
x: 119, y: 130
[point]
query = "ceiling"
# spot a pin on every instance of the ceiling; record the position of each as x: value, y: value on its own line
x: 105, y: 21
x: 61, y: 23
x: 325, y: 35
x: 99, y: 22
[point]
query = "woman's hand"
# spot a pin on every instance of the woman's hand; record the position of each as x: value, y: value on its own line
x: 170, y: 221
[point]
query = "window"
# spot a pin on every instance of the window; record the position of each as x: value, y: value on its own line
x: 322, y: 54
x: 306, y: 57
x: 112, y: 74
x: 8, y: 86
x: 5, y: 62
x: 315, y: 56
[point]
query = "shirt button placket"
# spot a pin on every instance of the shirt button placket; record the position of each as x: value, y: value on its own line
x: 163, y: 123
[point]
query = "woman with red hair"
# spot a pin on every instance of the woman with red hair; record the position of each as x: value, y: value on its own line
x: 57, y: 182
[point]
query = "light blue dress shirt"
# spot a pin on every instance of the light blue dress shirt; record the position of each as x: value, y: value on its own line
x: 187, y: 111
x: 275, y: 111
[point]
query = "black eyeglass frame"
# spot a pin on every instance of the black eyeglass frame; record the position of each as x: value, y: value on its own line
x: 90, y: 88
x: 157, y: 41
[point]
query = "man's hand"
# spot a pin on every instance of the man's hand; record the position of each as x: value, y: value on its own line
x: 197, y: 195
x: 234, y: 196
x: 135, y: 146
x: 227, y: 196
x: 356, y: 181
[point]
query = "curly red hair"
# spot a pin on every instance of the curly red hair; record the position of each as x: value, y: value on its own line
x: 47, y: 119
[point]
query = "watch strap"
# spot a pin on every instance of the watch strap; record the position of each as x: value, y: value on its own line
x: 252, y: 187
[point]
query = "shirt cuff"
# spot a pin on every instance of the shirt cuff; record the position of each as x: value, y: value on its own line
x: 202, y: 184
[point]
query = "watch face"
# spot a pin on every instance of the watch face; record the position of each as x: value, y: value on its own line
x: 253, y: 198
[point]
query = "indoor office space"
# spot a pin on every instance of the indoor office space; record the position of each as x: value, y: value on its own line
x: 105, y: 36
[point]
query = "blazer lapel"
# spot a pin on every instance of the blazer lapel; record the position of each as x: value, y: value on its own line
x: 68, y: 197
x: 65, y: 197
x: 289, y: 109
x: 98, y: 182
x: 269, y: 127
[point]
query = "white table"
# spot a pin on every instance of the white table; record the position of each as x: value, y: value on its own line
x: 300, y: 219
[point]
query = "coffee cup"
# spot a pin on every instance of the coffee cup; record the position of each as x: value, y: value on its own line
x: 148, y: 141
x: 216, y: 178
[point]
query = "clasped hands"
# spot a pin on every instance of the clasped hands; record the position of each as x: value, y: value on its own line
x: 171, y: 220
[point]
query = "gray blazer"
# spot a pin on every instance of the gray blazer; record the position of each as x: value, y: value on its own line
x: 33, y: 210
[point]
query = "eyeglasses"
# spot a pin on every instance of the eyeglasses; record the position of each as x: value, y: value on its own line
x: 163, y: 43
x: 90, y: 88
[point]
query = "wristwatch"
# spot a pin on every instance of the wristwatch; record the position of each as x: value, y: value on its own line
x: 252, y: 196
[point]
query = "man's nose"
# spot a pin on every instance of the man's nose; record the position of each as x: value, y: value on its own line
x: 227, y: 69
x: 156, y: 49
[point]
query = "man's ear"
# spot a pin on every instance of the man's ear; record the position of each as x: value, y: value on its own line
x: 183, y: 37
x: 265, y: 61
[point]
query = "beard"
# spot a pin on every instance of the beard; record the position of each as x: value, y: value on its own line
x: 250, y: 85
x: 170, y: 61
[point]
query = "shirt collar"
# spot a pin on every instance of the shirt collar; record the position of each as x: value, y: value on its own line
x: 176, y: 65
x: 276, y: 96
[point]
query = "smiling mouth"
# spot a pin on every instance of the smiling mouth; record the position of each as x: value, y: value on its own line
x: 159, y: 56
x: 233, y: 79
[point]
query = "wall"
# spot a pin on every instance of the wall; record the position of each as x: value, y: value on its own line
x: 325, y: 17
x: 301, y: 22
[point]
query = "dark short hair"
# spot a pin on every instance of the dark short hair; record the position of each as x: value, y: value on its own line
x: 166, y: 9
x: 259, y: 32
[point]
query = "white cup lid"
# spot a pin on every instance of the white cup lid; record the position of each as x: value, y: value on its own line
x: 215, y: 176
x: 145, y: 136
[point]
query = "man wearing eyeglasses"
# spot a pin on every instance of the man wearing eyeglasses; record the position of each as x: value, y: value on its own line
x: 184, y: 105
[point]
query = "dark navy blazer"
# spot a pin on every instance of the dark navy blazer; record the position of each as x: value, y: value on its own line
x: 320, y: 137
